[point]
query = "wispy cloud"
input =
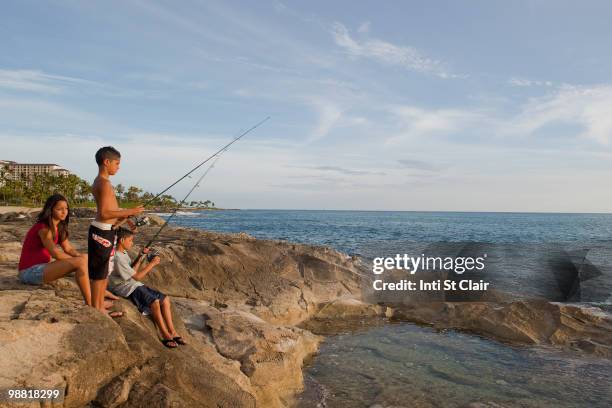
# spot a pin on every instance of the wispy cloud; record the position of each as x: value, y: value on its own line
x: 587, y: 108
x: 342, y: 170
x: 386, y: 52
x: 524, y: 82
x: 417, y: 165
x: 416, y: 122
x: 328, y: 116
x: 36, y: 81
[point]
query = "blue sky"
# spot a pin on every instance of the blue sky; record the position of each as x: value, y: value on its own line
x: 464, y: 106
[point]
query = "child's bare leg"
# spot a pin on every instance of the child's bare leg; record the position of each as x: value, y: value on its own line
x: 82, y: 279
x: 98, y: 287
x: 167, y: 315
x: 61, y: 268
x: 159, y: 320
x: 109, y: 295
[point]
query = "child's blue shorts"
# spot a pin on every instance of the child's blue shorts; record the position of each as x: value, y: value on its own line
x: 143, y: 296
x: 33, y: 275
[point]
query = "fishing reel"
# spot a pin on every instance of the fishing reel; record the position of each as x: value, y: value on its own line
x: 140, y: 221
x: 153, y: 252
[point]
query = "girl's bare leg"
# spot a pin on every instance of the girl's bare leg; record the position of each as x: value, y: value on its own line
x: 59, y: 269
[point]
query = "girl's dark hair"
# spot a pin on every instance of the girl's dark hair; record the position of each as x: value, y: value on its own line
x: 46, y: 215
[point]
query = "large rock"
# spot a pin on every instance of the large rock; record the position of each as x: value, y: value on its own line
x: 50, y: 342
x: 53, y: 342
x: 271, y: 356
x: 280, y: 282
x: 531, y: 321
x: 236, y: 299
x: 16, y: 216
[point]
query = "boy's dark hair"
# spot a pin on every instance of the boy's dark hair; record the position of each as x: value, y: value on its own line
x: 123, y: 233
x: 107, y: 152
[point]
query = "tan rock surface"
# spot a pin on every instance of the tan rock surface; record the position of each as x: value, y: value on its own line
x: 235, y: 299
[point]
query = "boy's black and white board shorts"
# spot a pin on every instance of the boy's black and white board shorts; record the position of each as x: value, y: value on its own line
x: 101, y: 243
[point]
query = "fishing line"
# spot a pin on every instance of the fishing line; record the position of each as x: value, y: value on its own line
x: 173, y: 213
x: 205, y: 161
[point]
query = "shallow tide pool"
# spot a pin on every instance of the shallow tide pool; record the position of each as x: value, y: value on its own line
x: 405, y: 365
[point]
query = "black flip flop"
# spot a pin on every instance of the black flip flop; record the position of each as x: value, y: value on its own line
x: 166, y: 342
x: 179, y: 340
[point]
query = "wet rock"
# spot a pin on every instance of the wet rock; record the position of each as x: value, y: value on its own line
x: 83, y: 212
x: 531, y: 321
x: 351, y: 307
x: 155, y: 220
x: 15, y: 217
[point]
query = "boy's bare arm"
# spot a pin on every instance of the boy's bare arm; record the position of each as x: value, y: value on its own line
x: 140, y: 274
x: 108, y: 210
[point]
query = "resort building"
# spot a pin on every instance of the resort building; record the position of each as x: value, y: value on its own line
x: 26, y: 171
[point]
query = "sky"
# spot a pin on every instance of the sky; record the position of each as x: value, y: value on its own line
x: 420, y: 106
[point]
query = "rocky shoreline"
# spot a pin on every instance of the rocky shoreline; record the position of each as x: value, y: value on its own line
x: 245, y: 305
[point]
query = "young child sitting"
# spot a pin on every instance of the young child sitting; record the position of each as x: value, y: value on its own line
x: 125, y: 282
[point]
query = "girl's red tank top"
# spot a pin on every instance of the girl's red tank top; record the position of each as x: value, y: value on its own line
x: 33, y: 252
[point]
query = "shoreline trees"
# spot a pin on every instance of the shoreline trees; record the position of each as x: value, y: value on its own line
x: 35, y: 190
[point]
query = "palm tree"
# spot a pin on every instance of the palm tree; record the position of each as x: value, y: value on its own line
x: 5, y: 179
x: 119, y: 190
x: 133, y: 193
x: 84, y: 190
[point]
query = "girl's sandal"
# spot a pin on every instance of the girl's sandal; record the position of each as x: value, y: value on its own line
x: 170, y: 343
x: 179, y: 340
x: 115, y: 313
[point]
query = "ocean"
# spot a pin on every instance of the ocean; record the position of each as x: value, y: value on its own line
x: 349, y: 231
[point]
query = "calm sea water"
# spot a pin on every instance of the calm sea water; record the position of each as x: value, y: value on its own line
x: 350, y: 231
x: 404, y: 365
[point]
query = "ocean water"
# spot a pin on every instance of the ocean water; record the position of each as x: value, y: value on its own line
x: 404, y: 365
x: 562, y: 257
x: 350, y: 231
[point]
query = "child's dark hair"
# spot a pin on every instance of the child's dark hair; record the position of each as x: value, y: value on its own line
x: 46, y: 216
x: 123, y: 233
x: 107, y: 152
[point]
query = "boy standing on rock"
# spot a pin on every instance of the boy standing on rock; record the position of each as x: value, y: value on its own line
x: 101, y: 239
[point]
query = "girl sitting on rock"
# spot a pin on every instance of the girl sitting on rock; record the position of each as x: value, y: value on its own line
x: 43, y: 242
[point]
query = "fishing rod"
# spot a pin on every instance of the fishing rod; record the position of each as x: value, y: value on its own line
x: 139, y: 221
x: 205, y: 161
x: 196, y: 185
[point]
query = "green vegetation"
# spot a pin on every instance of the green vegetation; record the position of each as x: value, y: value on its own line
x: 34, y: 192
